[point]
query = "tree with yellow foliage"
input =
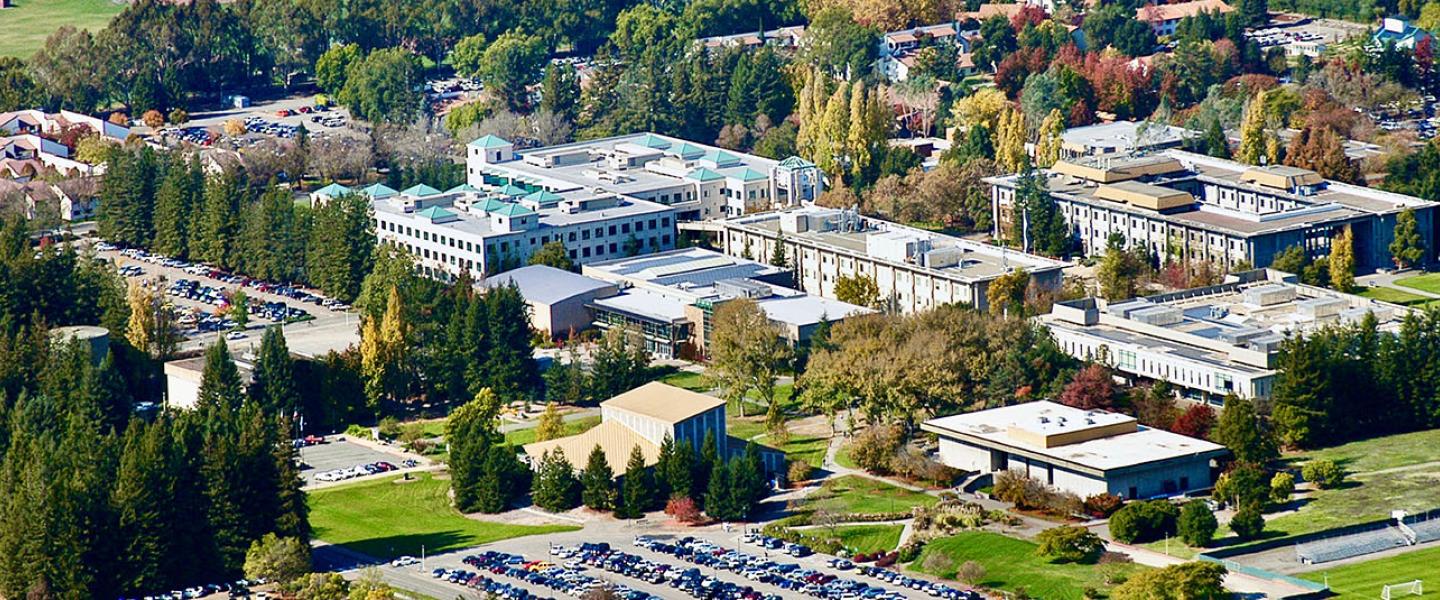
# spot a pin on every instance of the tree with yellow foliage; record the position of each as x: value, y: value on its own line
x: 151, y: 328
x: 382, y: 352
x: 1254, y: 145
x: 1010, y: 141
x: 1047, y: 146
x: 980, y: 108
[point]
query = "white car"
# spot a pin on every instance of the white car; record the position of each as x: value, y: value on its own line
x: 235, y: 335
x: 404, y: 561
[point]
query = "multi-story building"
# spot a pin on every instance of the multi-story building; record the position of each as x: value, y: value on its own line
x: 467, y: 230
x: 670, y: 299
x: 914, y: 269
x: 1184, y: 206
x: 1164, y: 18
x: 1212, y: 341
x: 700, y: 182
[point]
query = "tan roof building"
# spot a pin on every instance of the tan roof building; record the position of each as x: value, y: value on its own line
x: 643, y: 418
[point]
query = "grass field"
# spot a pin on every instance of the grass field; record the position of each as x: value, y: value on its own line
x: 1429, y: 282
x: 855, y: 495
x: 695, y: 382
x: 1365, y: 580
x: 1010, y: 563
x: 386, y: 519
x: 29, y: 22
x: 1394, y: 296
x: 870, y: 538
x: 520, y: 437
x: 1393, y: 472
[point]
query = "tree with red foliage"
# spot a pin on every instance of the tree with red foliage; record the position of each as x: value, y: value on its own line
x: 1011, y: 73
x: 1196, y: 421
x: 1030, y: 14
x: 1322, y: 151
x: 684, y: 510
x: 1092, y: 387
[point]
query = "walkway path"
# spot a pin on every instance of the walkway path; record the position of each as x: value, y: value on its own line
x: 1387, y: 280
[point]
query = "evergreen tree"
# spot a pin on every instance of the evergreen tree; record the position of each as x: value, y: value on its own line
x: 219, y: 221
x: 1217, y: 144
x: 598, y: 482
x: 1302, y: 397
x: 511, y: 370
x: 175, y: 203
x: 663, y: 464
x: 1408, y: 247
x: 705, y: 463
x: 220, y: 386
x: 551, y: 425
x: 636, y: 495
x: 718, y: 495
x: 618, y: 364
x: 341, y: 246
x: 554, y: 487
x: 469, y: 433
x: 112, y: 394
x: 1240, y: 430
x: 680, y: 473
x: 142, y: 501
x: 273, y: 383
x: 560, y: 91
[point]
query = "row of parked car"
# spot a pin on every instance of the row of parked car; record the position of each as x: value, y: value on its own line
x: 260, y: 125
x: 202, y: 270
x: 236, y: 589
x: 796, y: 578
x: 356, y: 471
x: 570, y: 580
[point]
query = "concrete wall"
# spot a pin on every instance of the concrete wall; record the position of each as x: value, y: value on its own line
x: 1182, y: 474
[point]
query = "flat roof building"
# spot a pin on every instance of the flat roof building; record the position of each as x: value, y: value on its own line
x: 1234, y: 213
x: 700, y: 182
x: 465, y: 229
x: 1085, y: 452
x: 914, y: 269
x: 1121, y: 137
x: 670, y: 298
x: 642, y: 418
x: 1210, y: 341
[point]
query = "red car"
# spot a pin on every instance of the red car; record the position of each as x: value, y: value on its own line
x: 282, y: 113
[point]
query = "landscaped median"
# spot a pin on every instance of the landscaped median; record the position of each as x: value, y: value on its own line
x: 391, y: 517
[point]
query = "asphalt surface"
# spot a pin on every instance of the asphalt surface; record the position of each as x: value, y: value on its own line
x: 619, y: 534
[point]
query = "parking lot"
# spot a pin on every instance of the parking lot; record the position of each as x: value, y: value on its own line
x: 703, y: 563
x: 339, y: 453
x: 280, y: 118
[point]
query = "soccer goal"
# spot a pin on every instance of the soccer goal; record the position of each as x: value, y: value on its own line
x: 1396, y: 590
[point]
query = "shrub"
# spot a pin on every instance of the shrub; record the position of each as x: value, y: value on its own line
x: 153, y: 119
x: 389, y: 428
x: 888, y: 560
x: 1024, y: 492
x: 1325, y: 474
x: 910, y: 551
x: 358, y: 431
x: 1065, y: 504
x: 1197, y: 524
x: 1282, y: 485
x: 970, y: 573
x: 234, y: 127
x: 874, y: 448
x: 912, y: 463
x: 1068, y: 543
x: 119, y: 118
x: 179, y: 116
x: 937, y: 562
x: 1140, y: 522
x: 799, y: 471
x: 1247, y: 522
x: 1103, y: 505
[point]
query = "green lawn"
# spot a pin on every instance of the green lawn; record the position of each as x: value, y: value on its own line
x: 1174, y: 547
x: 858, y: 495
x: 1429, y: 282
x: 520, y: 437
x: 385, y: 519
x: 870, y: 538
x: 695, y: 382
x: 842, y: 458
x: 1010, y: 563
x: 29, y: 22
x: 1365, y: 579
x: 807, y: 448
x: 1392, y: 295
x: 1411, y: 468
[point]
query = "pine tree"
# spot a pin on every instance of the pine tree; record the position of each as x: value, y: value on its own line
x: 663, y: 464
x: 1408, y: 248
x: 555, y: 488
x: 469, y: 433
x: 778, y: 256
x: 220, y: 386
x: 293, y: 514
x: 219, y: 221
x: 141, y: 502
x: 511, y: 370
x: 1217, y: 144
x: 1240, y: 430
x: 1302, y: 398
x: 551, y: 425
x: 274, y: 376
x: 174, y: 205
x: 680, y: 473
x: 636, y: 496
x: 112, y: 394
x: 718, y: 496
x: 560, y: 91
x: 1342, y: 261
x: 598, y: 482
x: 705, y: 463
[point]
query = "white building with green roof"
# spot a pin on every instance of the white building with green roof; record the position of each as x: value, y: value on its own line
x: 467, y: 230
x: 701, y: 182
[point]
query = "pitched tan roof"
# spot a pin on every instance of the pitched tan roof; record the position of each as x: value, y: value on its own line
x: 1174, y: 12
x: 614, y: 439
x: 663, y: 402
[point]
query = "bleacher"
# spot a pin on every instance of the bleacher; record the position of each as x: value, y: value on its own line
x: 1357, y: 544
x: 1426, y: 531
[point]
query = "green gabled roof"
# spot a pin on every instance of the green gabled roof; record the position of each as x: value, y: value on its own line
x: 651, y: 140
x: 749, y: 174
x: 703, y: 174
x: 513, y: 210
x: 722, y: 158
x: 543, y: 197
x: 436, y: 213
x: 796, y: 162
x: 688, y: 151
x: 463, y: 188
x: 511, y: 189
x: 379, y: 190
x: 420, y: 189
x: 333, y: 190
x: 489, y: 141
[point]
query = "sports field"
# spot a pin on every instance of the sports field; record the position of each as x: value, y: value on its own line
x: 386, y: 519
x: 24, y: 27
x: 1366, y: 579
